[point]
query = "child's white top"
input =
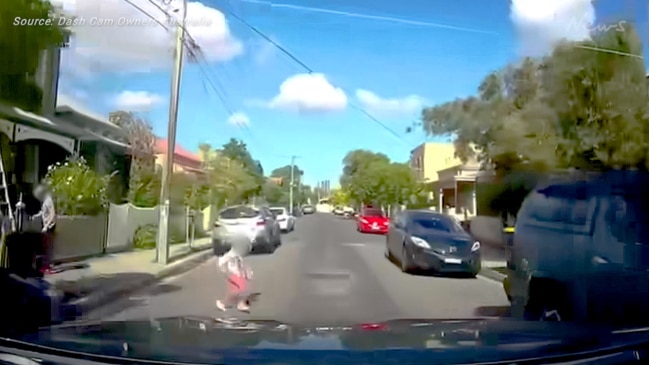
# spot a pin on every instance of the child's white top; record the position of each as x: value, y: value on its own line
x: 232, y: 264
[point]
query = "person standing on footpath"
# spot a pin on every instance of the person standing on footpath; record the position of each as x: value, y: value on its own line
x: 47, y: 215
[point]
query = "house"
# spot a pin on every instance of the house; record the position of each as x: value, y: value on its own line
x: 31, y: 142
x: 455, y: 182
x: 184, y: 161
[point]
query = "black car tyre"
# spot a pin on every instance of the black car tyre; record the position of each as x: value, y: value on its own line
x: 476, y: 270
x: 405, y: 261
x: 547, y: 302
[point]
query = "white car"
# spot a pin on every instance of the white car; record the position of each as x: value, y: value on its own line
x: 286, y: 221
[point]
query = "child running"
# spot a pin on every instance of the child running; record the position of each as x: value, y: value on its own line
x: 238, y: 276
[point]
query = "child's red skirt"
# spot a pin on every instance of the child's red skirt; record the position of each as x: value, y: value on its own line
x: 236, y: 284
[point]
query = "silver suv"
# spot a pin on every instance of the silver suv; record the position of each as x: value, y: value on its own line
x: 245, y: 224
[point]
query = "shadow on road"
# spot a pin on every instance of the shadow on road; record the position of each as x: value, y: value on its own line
x: 91, y: 284
x: 493, y: 311
x: 453, y: 275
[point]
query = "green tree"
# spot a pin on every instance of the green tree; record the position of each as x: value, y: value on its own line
x: 236, y: 150
x: 21, y: 47
x: 372, y: 178
x: 281, y: 194
x: 144, y: 180
x: 584, y: 106
x: 274, y: 194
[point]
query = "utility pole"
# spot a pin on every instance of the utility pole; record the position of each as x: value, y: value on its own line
x: 290, y: 188
x: 162, y: 242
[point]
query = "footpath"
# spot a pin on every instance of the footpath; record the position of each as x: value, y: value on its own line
x: 103, y: 279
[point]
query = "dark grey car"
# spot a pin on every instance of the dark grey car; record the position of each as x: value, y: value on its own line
x: 580, y: 250
x: 427, y: 240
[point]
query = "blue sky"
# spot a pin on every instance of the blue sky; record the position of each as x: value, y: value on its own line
x: 400, y: 55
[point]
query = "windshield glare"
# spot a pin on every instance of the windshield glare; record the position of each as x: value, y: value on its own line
x: 322, y: 163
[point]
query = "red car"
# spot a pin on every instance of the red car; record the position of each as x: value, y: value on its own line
x: 372, y: 220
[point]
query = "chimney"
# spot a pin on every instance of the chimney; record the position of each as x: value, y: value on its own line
x: 47, y: 76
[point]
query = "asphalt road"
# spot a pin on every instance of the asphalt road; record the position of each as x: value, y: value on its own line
x: 325, y: 273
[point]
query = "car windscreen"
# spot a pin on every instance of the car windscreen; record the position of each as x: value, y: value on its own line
x: 372, y: 213
x: 435, y: 222
x: 278, y: 211
x: 238, y: 212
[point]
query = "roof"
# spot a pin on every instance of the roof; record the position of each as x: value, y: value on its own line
x: 161, y: 146
x: 66, y: 104
x: 58, y: 125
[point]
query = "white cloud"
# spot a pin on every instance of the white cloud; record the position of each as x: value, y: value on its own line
x: 137, y: 101
x: 308, y: 93
x: 541, y: 24
x: 141, y: 45
x: 239, y: 119
x: 396, y: 107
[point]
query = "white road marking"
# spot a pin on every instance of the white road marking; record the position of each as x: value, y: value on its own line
x: 353, y: 244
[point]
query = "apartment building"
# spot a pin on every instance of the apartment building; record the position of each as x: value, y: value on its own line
x: 452, y: 182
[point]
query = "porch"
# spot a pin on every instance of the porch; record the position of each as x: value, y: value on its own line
x: 457, y: 189
x: 30, y: 143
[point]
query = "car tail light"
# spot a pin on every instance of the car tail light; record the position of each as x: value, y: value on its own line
x: 261, y: 222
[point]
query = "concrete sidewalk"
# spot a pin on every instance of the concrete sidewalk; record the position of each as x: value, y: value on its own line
x: 113, y: 276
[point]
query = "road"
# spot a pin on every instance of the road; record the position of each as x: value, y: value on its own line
x: 325, y: 273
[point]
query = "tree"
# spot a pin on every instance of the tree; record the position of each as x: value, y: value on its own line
x: 372, y: 178
x: 274, y: 194
x: 236, y: 150
x: 144, y: 180
x: 584, y: 106
x: 21, y: 47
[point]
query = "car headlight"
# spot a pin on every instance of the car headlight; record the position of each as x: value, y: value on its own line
x: 419, y: 242
x: 475, y: 247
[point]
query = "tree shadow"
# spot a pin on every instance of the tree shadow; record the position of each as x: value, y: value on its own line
x: 114, y: 286
x: 437, y: 274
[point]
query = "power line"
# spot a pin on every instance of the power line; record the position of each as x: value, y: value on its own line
x: 311, y: 71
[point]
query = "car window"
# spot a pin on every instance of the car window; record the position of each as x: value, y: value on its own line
x: 278, y: 211
x: 372, y: 213
x: 559, y: 209
x: 238, y: 212
x: 628, y: 219
x: 435, y: 222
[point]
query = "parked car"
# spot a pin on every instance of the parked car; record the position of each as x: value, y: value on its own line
x: 285, y: 220
x: 308, y: 209
x: 372, y: 220
x: 426, y: 240
x: 240, y: 224
x: 580, y: 250
x: 338, y: 210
